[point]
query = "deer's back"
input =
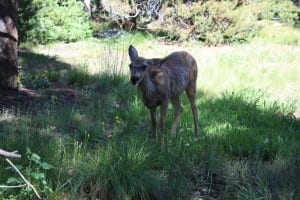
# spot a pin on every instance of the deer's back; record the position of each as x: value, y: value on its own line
x: 168, y: 79
x: 180, y: 68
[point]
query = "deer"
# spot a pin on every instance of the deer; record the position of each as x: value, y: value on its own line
x: 161, y: 81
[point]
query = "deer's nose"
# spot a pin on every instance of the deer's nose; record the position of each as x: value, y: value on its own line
x: 134, y: 80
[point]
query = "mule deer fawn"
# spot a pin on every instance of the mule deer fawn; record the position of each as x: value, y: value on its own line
x: 162, y: 81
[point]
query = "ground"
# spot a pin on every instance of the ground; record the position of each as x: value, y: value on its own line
x: 24, y: 97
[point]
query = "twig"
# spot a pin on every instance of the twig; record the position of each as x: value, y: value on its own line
x: 21, y: 175
x: 12, y: 186
x: 66, y: 183
x: 9, y: 154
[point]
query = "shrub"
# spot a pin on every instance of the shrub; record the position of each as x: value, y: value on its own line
x: 53, y: 20
x: 279, y: 10
x: 221, y: 22
x: 211, y: 20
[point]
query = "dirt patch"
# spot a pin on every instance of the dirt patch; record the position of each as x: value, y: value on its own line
x: 17, y: 98
x: 211, y: 188
x: 25, y: 97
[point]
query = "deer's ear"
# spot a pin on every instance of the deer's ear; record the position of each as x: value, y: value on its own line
x: 133, y: 54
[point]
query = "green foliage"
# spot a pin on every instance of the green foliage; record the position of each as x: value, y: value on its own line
x: 222, y: 22
x: 244, y: 24
x: 35, y: 173
x: 39, y: 80
x: 279, y: 10
x: 209, y: 22
x: 213, y: 23
x: 52, y: 20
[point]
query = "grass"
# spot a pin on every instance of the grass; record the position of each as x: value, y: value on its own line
x: 89, y: 123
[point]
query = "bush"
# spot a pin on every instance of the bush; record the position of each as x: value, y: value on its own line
x: 45, y: 21
x: 221, y: 22
x: 280, y: 10
x: 212, y: 22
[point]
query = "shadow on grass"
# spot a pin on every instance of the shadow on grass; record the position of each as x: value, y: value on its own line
x: 38, y: 72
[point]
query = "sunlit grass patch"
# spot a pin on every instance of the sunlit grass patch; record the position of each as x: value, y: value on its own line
x: 276, y: 33
x: 252, y: 66
x: 98, y: 55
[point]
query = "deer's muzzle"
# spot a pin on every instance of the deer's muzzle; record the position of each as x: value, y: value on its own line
x: 134, y: 80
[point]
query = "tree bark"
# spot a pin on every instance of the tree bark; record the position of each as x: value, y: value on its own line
x: 8, y: 44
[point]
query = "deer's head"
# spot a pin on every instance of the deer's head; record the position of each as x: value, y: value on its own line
x: 138, y: 66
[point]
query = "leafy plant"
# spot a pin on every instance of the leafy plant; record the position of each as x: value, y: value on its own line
x: 35, y: 172
x: 280, y: 10
x: 53, y: 20
x: 39, y: 80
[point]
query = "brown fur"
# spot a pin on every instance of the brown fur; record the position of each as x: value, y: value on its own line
x: 162, y: 81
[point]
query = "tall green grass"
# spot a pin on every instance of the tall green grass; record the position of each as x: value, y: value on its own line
x: 96, y: 131
x: 120, y: 170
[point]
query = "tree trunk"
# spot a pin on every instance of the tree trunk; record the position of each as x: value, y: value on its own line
x: 8, y: 44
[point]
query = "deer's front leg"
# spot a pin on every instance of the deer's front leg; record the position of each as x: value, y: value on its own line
x: 163, y: 114
x: 153, y: 121
x: 177, y: 111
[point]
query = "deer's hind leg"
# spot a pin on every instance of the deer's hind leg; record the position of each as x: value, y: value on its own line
x: 191, y: 93
x: 177, y: 111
